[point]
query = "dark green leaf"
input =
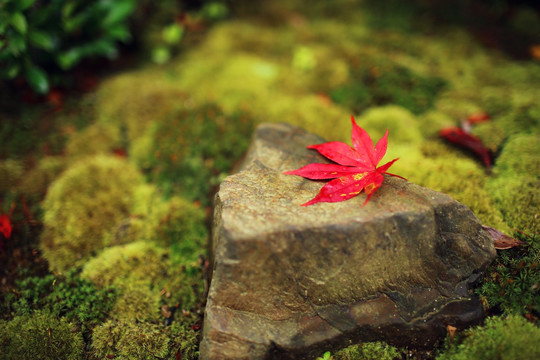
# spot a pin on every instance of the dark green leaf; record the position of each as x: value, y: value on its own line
x: 41, y: 40
x: 118, y: 12
x: 19, y: 22
x: 9, y: 71
x: 37, y: 79
x: 69, y: 58
x: 24, y: 4
x: 119, y: 32
x: 16, y: 44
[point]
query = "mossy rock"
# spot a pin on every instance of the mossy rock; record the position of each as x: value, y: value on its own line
x: 83, y: 206
x: 122, y: 264
x: 505, y: 338
x: 40, y: 336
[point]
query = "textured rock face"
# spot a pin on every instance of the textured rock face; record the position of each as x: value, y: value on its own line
x: 292, y: 281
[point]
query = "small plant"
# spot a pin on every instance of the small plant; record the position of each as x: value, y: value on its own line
x: 326, y: 356
x: 39, y: 38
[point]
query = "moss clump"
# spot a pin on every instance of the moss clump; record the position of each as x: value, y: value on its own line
x: 78, y: 300
x: 82, y: 207
x: 137, y: 303
x: 36, y: 181
x: 192, y: 150
x: 369, y: 351
x: 510, y: 285
x: 491, y: 134
x: 10, y: 172
x: 40, y: 336
x: 510, y: 337
x: 442, y: 168
x: 121, y: 264
x: 518, y: 200
x: 122, y: 102
x: 176, y: 223
x: 182, y: 229
x: 520, y: 156
x: 184, y: 340
x: 130, y: 341
x: 94, y: 140
x: 402, y: 125
x: 382, y: 83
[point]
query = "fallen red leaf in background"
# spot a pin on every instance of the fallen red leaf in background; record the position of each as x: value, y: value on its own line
x: 501, y: 241
x: 460, y: 137
x: 5, y: 226
x: 356, y: 167
x: 478, y: 118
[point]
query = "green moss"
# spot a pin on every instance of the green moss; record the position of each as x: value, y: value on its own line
x: 442, y: 168
x: 193, y: 149
x: 184, y: 340
x: 403, y: 126
x: 183, y: 230
x: 137, y: 302
x: 491, y: 134
x: 517, y: 199
x: 37, y: 180
x: 382, y: 82
x: 122, y: 102
x: 520, y: 156
x: 10, y: 172
x: 121, y: 264
x: 40, y: 336
x: 130, y: 341
x: 63, y: 296
x: 369, y: 351
x: 510, y: 285
x: 511, y: 337
x: 83, y: 206
x: 94, y: 140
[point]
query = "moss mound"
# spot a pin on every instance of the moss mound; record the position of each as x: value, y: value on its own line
x: 82, y: 207
x: 121, y: 264
x: 507, y: 338
x: 40, y: 336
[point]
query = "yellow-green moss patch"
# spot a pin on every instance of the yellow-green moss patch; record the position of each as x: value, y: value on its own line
x: 40, y: 336
x: 83, y: 206
x: 121, y: 264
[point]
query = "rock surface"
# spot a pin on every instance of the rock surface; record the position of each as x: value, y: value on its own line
x: 292, y: 281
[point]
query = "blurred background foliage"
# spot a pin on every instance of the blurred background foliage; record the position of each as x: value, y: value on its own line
x: 42, y: 40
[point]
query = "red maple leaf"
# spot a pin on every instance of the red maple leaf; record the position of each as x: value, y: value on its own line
x: 356, y: 167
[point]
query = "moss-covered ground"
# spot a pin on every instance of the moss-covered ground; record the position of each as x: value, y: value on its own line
x: 110, y: 194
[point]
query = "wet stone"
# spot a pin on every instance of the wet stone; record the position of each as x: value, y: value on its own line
x: 290, y: 282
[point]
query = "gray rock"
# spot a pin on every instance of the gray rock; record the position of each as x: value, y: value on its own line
x: 292, y: 281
